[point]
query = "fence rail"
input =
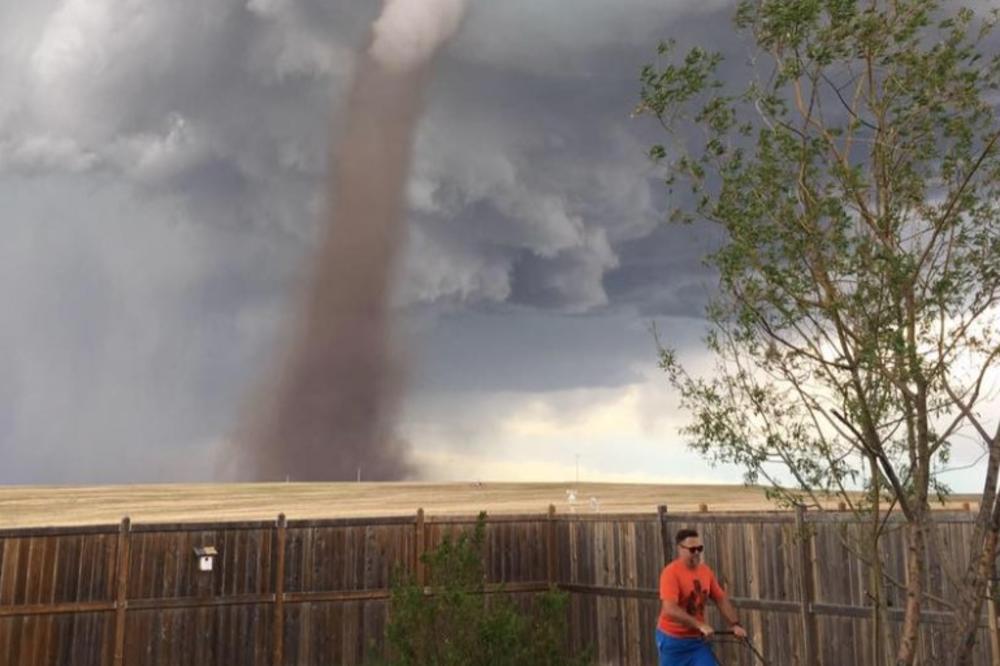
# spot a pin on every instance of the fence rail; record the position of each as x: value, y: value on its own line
x: 301, y: 592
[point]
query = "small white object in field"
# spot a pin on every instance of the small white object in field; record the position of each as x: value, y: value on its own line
x: 594, y: 504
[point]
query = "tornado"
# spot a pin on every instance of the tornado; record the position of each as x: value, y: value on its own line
x: 328, y: 413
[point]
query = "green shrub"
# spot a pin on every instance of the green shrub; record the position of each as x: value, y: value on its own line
x: 458, y: 624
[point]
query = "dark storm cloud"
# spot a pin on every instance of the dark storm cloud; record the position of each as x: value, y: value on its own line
x: 121, y: 349
x: 544, y: 172
x: 161, y: 169
x: 670, y: 255
x: 530, y: 351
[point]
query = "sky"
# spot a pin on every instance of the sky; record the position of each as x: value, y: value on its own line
x: 162, y: 174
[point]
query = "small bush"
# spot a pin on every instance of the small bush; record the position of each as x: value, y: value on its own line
x: 459, y: 625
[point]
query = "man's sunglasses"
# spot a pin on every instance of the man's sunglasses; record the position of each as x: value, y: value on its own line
x: 694, y: 549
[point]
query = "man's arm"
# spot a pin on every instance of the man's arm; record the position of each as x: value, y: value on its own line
x: 729, y: 613
x: 672, y: 611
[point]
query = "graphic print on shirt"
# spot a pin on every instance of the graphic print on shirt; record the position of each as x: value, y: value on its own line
x: 694, y: 605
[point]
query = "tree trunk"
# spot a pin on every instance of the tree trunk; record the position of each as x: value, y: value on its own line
x: 916, y: 537
x: 982, y: 566
x: 875, y: 585
x: 880, y: 626
x: 970, y: 602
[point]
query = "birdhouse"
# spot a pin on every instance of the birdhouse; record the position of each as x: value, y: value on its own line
x: 206, y: 557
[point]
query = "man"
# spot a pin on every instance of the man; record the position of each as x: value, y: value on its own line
x: 686, y: 584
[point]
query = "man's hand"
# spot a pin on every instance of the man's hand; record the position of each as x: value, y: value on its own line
x: 706, y: 630
x: 739, y: 631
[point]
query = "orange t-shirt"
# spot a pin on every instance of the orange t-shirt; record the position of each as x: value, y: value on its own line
x: 690, y: 589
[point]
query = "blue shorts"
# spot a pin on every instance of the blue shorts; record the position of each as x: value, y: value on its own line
x: 683, y: 651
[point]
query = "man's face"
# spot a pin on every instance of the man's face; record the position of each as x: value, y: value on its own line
x: 690, y: 550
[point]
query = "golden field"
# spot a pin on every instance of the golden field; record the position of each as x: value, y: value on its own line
x: 22, y: 506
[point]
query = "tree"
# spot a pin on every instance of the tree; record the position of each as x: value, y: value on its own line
x: 857, y: 183
x: 458, y: 624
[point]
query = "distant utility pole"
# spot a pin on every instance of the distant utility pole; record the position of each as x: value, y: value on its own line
x: 578, y: 469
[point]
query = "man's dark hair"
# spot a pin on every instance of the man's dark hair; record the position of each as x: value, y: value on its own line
x: 685, y: 533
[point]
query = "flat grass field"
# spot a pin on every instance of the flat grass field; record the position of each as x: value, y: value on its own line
x: 42, y: 506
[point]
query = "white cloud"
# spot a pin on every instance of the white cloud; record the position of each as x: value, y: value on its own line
x: 446, y: 465
x: 44, y: 153
x: 76, y: 40
x: 408, y: 32
x: 537, y: 437
x: 155, y: 158
x: 90, y: 56
x: 439, y: 269
x: 290, y: 46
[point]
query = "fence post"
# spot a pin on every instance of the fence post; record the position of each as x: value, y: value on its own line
x: 661, y: 513
x: 809, y: 638
x: 121, y: 587
x: 550, y: 545
x: 419, y: 548
x: 280, y: 539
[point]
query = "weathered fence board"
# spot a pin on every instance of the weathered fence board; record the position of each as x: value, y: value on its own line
x: 323, y: 559
x: 215, y: 636
x: 318, y: 634
x: 82, y: 639
x: 56, y: 569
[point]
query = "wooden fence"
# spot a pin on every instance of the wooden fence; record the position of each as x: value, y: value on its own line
x: 316, y: 592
